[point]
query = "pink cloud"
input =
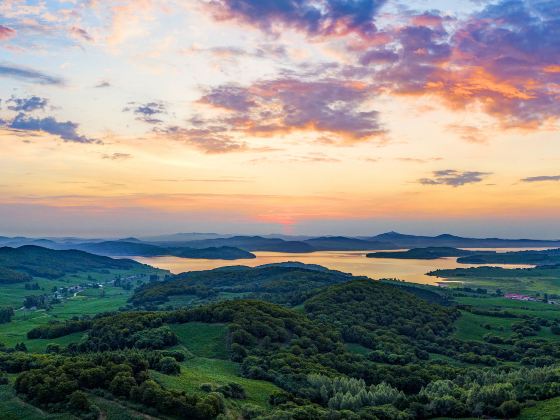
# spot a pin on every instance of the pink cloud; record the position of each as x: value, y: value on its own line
x: 6, y: 33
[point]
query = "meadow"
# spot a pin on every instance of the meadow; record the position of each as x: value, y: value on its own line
x: 208, y: 364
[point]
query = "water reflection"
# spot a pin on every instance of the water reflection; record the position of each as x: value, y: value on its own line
x: 354, y: 262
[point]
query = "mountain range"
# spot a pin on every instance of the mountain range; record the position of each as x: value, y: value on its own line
x: 217, y: 246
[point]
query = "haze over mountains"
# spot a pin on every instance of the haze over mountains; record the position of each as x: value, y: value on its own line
x: 233, y: 247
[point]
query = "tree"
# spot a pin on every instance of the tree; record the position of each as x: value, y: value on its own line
x: 53, y: 348
x: 122, y: 384
x: 6, y: 315
x: 20, y: 347
x: 169, y: 366
x: 509, y: 409
x: 78, y: 402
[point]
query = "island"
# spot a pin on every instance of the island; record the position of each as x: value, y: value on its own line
x: 428, y: 253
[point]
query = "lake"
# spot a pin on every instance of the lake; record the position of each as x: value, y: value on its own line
x: 354, y: 262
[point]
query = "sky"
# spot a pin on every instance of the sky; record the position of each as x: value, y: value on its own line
x: 351, y: 117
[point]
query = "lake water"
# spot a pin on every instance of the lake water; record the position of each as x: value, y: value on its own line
x: 354, y: 262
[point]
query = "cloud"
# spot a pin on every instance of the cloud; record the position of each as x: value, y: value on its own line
x: 454, y: 178
x: 287, y: 104
x: 275, y: 107
x: 262, y: 50
x: 29, y: 75
x: 67, y: 131
x: 469, y: 133
x: 103, y: 84
x: 409, y: 59
x: 379, y: 56
x: 117, y: 156
x: 80, y: 33
x: 310, y: 158
x: 229, y: 97
x: 542, y: 178
x: 419, y: 160
x: 30, y: 104
x: 210, y: 140
x: 205, y: 180
x: 502, y: 54
x: 316, y: 18
x: 147, y: 112
x: 502, y: 59
x: 6, y: 33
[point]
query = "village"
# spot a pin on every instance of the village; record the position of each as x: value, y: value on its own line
x: 58, y: 294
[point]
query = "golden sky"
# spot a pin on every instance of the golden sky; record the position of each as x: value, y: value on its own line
x: 141, y: 117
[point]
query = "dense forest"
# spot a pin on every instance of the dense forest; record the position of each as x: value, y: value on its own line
x: 42, y: 262
x: 281, y: 283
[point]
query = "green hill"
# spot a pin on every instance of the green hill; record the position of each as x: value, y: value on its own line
x: 428, y: 253
x: 282, y: 283
x: 52, y: 264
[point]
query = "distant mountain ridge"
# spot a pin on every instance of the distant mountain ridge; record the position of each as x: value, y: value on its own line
x: 447, y: 240
x: 231, y: 247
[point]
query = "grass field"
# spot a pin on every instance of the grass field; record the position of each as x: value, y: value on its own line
x: 543, y: 410
x: 515, y: 284
x: 203, y: 340
x: 201, y: 370
x: 12, y: 408
x: 209, y: 365
x: 537, y: 309
x: 112, y: 410
x: 24, y: 320
x: 88, y: 302
x: 472, y: 327
x: 357, y: 348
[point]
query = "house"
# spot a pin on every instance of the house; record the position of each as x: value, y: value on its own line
x: 515, y: 296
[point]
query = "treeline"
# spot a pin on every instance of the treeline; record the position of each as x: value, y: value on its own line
x: 59, y: 329
x: 8, y: 276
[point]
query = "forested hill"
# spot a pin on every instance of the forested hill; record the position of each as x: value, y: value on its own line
x: 281, y: 283
x: 48, y: 263
x: 359, y: 350
x: 374, y: 314
x: 545, y: 257
x: 428, y: 253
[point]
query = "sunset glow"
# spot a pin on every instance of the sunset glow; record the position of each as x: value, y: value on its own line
x: 302, y: 117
